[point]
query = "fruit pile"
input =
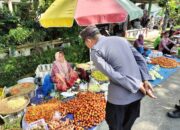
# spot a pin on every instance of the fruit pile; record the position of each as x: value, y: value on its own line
x: 88, y: 109
x: 42, y: 111
x: 94, y: 88
x: 164, y: 62
x: 99, y: 76
x: 22, y: 88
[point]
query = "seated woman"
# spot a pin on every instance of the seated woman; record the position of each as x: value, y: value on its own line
x: 139, y: 45
x: 166, y: 44
x: 62, y: 73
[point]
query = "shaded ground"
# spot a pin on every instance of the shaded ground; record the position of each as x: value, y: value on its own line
x: 153, y: 112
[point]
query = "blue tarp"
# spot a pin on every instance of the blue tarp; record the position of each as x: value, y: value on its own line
x: 164, y: 72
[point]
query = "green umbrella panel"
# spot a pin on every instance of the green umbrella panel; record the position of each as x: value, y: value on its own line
x: 133, y: 10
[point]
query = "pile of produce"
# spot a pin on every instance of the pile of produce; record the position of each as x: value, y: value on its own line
x: 16, y: 102
x: 22, y: 88
x: 99, y: 76
x: 164, y: 62
x: 94, y: 88
x: 13, y: 104
x: 12, y: 125
x: 88, y: 110
x: 154, y: 72
x: 42, y: 111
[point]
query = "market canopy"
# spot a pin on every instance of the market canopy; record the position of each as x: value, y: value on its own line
x: 86, y: 12
x: 133, y: 10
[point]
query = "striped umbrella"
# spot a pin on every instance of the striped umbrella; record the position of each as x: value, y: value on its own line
x: 86, y: 12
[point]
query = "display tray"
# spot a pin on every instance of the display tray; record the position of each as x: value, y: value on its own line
x: 22, y: 88
x: 13, y: 104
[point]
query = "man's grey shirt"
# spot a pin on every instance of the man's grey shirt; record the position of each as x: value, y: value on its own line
x: 125, y: 67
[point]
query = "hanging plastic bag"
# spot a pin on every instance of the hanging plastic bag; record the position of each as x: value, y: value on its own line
x: 47, y: 85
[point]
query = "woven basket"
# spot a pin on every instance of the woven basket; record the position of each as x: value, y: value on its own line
x: 18, y: 89
x: 5, y: 109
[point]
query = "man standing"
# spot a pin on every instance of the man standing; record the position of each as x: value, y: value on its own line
x: 128, y: 74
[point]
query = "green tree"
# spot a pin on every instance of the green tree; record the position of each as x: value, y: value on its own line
x: 169, y: 8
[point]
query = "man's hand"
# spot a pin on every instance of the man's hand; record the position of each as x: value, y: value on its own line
x: 142, y: 89
x: 148, y: 86
x: 149, y: 89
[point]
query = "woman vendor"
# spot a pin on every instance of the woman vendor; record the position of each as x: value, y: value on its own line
x: 62, y: 73
x: 139, y: 45
x: 166, y: 44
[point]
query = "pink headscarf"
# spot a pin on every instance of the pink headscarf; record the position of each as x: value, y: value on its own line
x: 62, y: 67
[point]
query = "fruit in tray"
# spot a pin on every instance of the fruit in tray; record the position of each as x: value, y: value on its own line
x: 164, y: 62
x: 94, y: 88
x: 15, y: 91
x: 42, y: 111
x: 88, y: 109
x: 99, y: 76
x: 22, y: 88
x: 16, y: 103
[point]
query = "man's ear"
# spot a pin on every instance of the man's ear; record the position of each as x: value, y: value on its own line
x: 88, y: 40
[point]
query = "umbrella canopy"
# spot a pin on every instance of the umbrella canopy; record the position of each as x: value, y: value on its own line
x: 86, y: 12
x: 133, y: 10
x: 59, y: 14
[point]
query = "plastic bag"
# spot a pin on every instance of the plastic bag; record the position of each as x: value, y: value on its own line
x: 47, y: 85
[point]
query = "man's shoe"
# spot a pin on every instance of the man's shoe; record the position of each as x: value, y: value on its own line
x: 174, y: 114
x: 177, y: 107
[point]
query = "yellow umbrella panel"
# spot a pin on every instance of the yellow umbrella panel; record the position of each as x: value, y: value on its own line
x: 59, y: 14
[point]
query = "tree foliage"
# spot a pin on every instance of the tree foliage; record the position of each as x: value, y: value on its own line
x: 171, y: 10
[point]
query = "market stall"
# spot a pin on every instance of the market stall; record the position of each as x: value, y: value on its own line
x: 81, y: 107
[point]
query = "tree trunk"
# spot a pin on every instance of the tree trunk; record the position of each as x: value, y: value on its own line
x: 10, y: 6
x: 166, y: 18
